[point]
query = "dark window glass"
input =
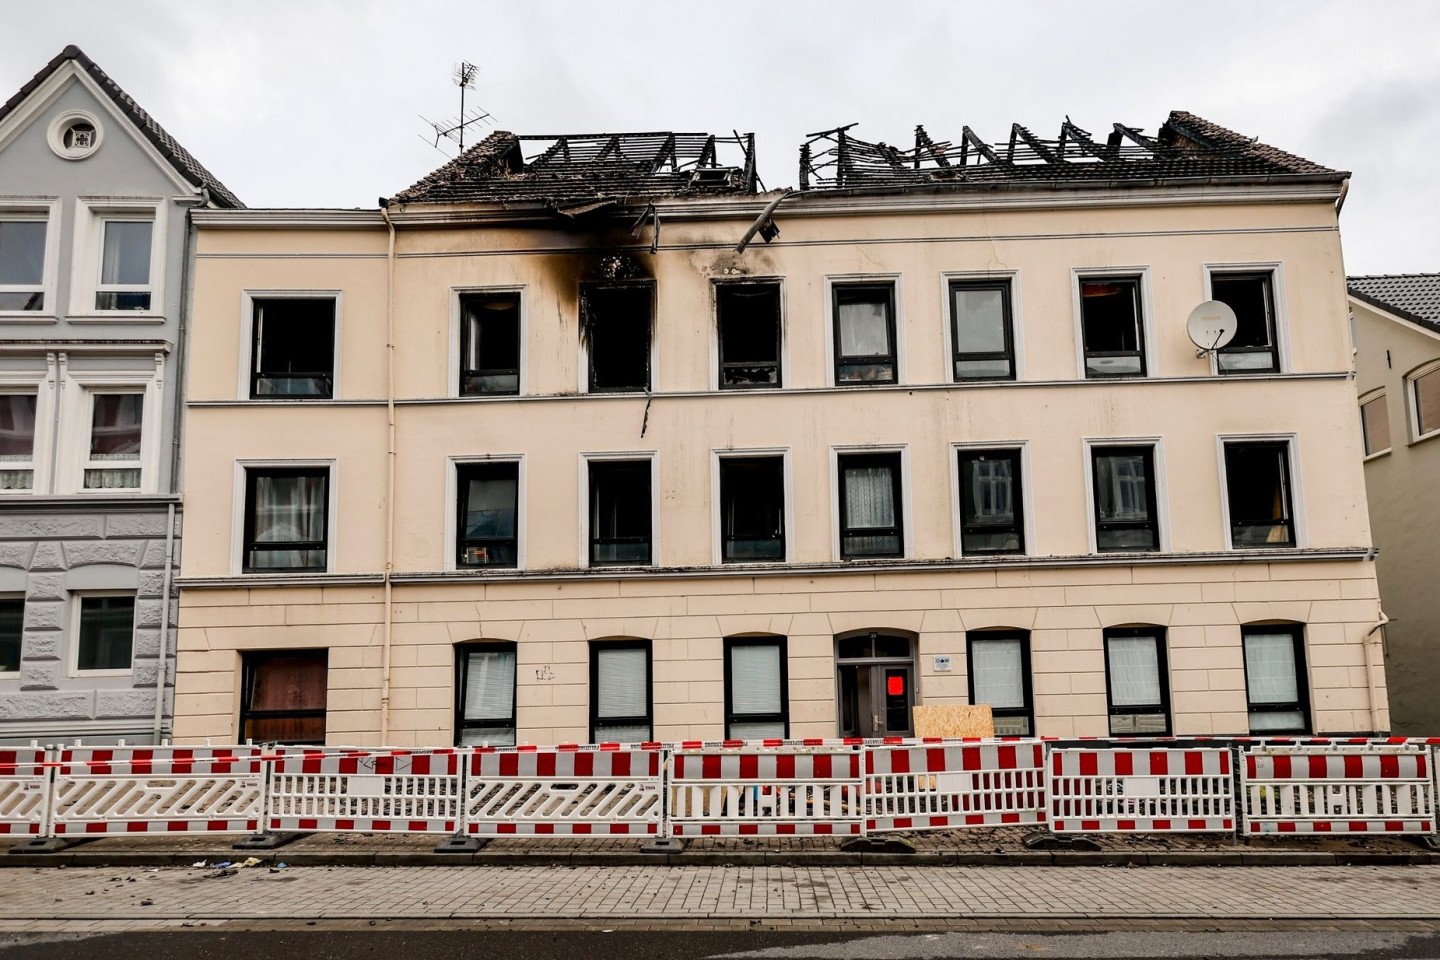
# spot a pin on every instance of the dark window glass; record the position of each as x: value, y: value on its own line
x: 107, y: 633
x: 22, y: 264
x: 1000, y: 676
x: 485, y: 695
x: 982, y: 336
x: 1125, y: 516
x: 870, y: 510
x: 865, y: 333
x: 1275, y: 686
x: 1252, y: 298
x: 991, y: 502
x: 757, y: 704
x: 489, y: 344
x: 1427, y: 403
x: 286, y: 522
x: 1136, y: 681
x: 617, y: 324
x: 1375, y: 422
x: 294, y: 348
x: 12, y: 619
x: 749, y: 319
x: 1257, y: 483
x: 620, y: 698
x: 489, y: 499
x: 283, y: 697
x: 1113, y: 327
x: 124, y: 263
x: 752, y: 508
x: 620, y: 512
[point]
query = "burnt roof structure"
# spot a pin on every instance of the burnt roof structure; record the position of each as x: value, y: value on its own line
x: 180, y: 158
x: 1410, y: 296
x: 575, y: 174
x: 1186, y: 147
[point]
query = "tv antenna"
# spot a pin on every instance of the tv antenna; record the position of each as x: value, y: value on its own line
x: 1211, y: 325
x: 454, y: 129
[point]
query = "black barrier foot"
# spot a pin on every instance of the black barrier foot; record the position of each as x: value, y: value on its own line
x: 877, y: 845
x: 664, y: 845
x: 266, y: 841
x: 1042, y: 840
x: 1428, y: 842
x: 459, y: 843
x: 48, y: 844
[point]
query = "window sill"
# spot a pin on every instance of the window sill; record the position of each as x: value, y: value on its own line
x: 1377, y: 455
x: 28, y: 316
x: 99, y: 674
x: 1423, y: 437
x: 123, y: 316
x: 245, y: 580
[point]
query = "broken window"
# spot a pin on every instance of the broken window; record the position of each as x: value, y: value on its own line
x: 1375, y: 424
x: 1113, y: 327
x: 1257, y: 484
x: 752, y: 505
x: 487, y: 512
x: 620, y: 701
x: 1427, y: 403
x: 1251, y: 296
x: 1275, y: 687
x: 870, y: 517
x: 485, y: 700
x: 1125, y: 516
x: 982, y: 338
x: 22, y: 264
x: 283, y: 696
x: 1000, y: 676
x: 1136, y: 683
x: 619, y: 512
x: 991, y: 511
x: 865, y: 333
x: 489, y: 344
x: 617, y: 319
x: 756, y: 701
x: 293, y: 353
x: 748, y: 315
x: 17, y: 441
x: 286, y: 519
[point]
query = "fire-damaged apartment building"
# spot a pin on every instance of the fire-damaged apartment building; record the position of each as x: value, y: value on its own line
x: 593, y: 438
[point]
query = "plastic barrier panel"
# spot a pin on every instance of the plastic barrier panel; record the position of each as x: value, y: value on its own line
x: 1119, y: 789
x: 24, y: 792
x: 1372, y: 788
x: 792, y: 787
x: 941, y: 786
x: 380, y: 791
x: 114, y: 790
x: 597, y: 791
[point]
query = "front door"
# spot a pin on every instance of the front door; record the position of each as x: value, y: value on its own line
x: 875, y: 686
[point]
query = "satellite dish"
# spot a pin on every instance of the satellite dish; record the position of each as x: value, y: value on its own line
x: 1211, y: 326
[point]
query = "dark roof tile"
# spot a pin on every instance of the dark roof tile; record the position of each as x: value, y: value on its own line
x: 1410, y: 296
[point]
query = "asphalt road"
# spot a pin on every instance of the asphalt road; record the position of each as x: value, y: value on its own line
x: 679, y: 945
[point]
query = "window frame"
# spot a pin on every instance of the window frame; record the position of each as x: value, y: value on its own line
x: 47, y: 212
x: 897, y: 325
x: 1290, y: 443
x: 91, y: 215
x: 247, y: 688
x: 76, y: 420
x: 1302, y: 677
x: 1279, y: 327
x: 44, y: 439
x: 1412, y: 401
x: 1382, y: 396
x: 240, y: 520
x: 1157, y: 502
x: 717, y: 340
x: 1144, y: 303
x: 1027, y: 680
x: 1162, y: 667
x: 1021, y: 451
x: 718, y: 457
x: 76, y: 617
x: 587, y: 528
x: 587, y: 356
x: 458, y: 339
x: 592, y: 692
x: 757, y: 640
x: 1006, y: 282
x: 248, y: 342
x: 462, y: 652
x: 456, y: 490
x: 900, y: 484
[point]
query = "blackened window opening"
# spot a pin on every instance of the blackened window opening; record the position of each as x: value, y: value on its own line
x: 620, y: 512
x: 982, y: 335
x: 1125, y: 515
x: 748, y: 315
x: 752, y: 498
x: 1257, y: 485
x: 870, y: 510
x: 865, y: 333
x: 489, y: 344
x: 1251, y: 296
x: 294, y: 348
x: 1113, y: 327
x: 487, y: 510
x: 12, y: 618
x: 618, y: 319
x: 991, y: 502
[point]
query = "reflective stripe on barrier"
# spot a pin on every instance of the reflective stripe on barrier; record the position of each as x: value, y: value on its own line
x: 24, y: 792
x: 1372, y: 788
x: 942, y: 786
x: 121, y: 790
x: 791, y: 788
x: 1140, y: 790
x: 380, y: 791
x: 595, y: 791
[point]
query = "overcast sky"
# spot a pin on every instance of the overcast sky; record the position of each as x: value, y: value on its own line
x: 303, y: 103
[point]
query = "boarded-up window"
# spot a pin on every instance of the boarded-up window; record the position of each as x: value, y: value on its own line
x: 284, y: 697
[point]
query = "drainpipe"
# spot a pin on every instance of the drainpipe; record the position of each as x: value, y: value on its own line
x: 1366, y: 644
x: 165, y: 621
x: 1340, y: 200
x: 389, y: 474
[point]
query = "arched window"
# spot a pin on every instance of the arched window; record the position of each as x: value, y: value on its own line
x: 757, y: 702
x: 1137, y: 684
x: 1276, y: 690
x: 485, y: 694
x: 999, y: 669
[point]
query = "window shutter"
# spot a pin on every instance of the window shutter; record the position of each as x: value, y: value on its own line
x: 622, y: 679
x: 489, y: 684
x: 1134, y: 671
x: 1270, y: 668
x: 755, y: 679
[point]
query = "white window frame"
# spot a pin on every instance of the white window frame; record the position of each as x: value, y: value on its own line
x: 79, y: 388
x: 42, y: 453
x: 1379, y: 393
x: 1277, y: 294
x: 73, y: 660
x: 1297, y: 500
x: 91, y: 215
x: 717, y: 511
x: 742, y: 281
x: 656, y: 495
x: 1162, y: 488
x: 848, y: 279
x: 1147, y: 316
x: 948, y: 327
x: 957, y: 518
x: 584, y: 371
x: 247, y: 341
x: 1412, y: 404
x: 907, y: 500
x: 238, y: 508
x: 456, y: 337
x: 452, y: 509
x: 37, y: 210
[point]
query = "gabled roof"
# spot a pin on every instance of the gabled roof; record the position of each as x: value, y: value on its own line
x: 1186, y: 147
x: 185, y: 164
x: 578, y: 173
x: 1410, y: 296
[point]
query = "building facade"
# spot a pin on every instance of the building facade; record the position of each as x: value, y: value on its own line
x: 568, y: 442
x: 1397, y: 353
x: 95, y: 199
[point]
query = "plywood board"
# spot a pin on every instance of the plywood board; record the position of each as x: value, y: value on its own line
x: 954, y: 721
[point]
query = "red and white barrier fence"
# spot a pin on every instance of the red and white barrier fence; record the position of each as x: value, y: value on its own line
x: 774, y: 788
x: 369, y: 791
x: 591, y: 791
x: 25, y: 792
x: 944, y: 785
x: 1141, y: 790
x: 1339, y: 788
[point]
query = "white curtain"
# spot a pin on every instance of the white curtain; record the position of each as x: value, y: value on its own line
x: 863, y: 330
x: 869, y: 497
x: 1134, y: 671
x: 1270, y: 668
x: 289, y: 509
x: 996, y: 667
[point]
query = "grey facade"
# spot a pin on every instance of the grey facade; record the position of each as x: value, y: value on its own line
x: 95, y: 201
